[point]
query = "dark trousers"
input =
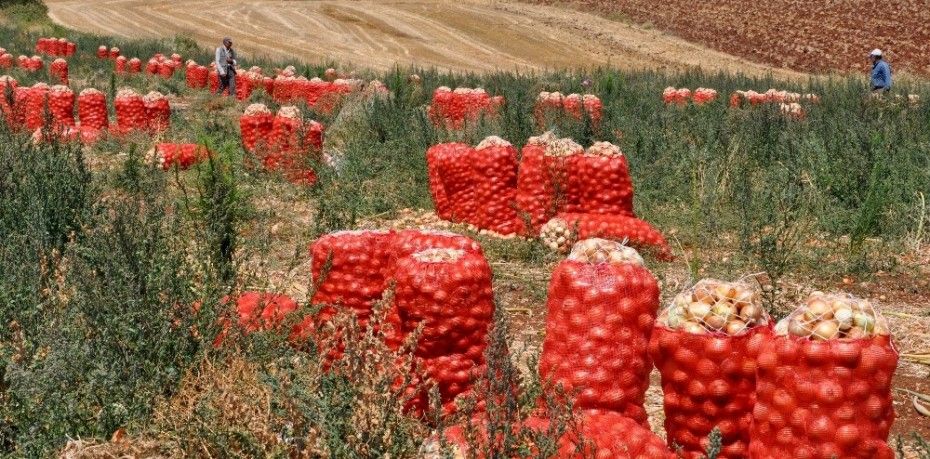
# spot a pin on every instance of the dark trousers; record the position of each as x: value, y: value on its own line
x: 227, y: 82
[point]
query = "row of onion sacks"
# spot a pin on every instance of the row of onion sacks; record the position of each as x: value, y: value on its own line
x: 601, y: 308
x: 561, y: 232
x: 553, y: 108
x: 455, y: 109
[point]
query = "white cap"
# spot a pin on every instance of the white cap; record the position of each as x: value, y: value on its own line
x: 876, y: 52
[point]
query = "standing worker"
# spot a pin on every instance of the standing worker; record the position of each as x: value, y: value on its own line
x: 881, y: 72
x: 226, y: 67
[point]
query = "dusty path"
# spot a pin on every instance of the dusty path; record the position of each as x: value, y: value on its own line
x: 471, y: 35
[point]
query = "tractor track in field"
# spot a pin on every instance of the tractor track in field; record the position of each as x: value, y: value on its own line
x: 470, y: 35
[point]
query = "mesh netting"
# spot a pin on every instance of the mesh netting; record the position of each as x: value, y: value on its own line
x: 601, y: 309
x: 823, y: 384
x: 92, y: 109
x: 494, y: 165
x: 705, y: 346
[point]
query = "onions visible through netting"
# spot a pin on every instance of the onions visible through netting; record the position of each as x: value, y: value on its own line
x: 562, y: 231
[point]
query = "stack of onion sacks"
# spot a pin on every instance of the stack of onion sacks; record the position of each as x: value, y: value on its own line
x: 602, y: 305
x: 705, y: 346
x: 92, y: 109
x: 824, y: 382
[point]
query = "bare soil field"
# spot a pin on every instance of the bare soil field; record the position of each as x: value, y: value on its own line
x: 818, y: 36
x: 470, y: 35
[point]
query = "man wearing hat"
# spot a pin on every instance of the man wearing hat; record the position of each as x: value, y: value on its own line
x: 881, y: 72
x: 226, y: 67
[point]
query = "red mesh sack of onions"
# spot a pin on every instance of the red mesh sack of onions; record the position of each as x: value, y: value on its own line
x: 179, y: 155
x: 166, y: 68
x: 92, y: 109
x: 451, y: 165
x: 21, y: 96
x: 705, y: 345
x: 437, y: 157
x: 675, y: 96
x: 158, y: 111
x: 284, y: 89
x: 578, y: 106
x: 59, y: 70
x: 103, y: 52
x: 61, y: 105
x: 7, y: 83
x: 244, y: 83
x: 601, y: 307
x: 563, y: 230
x: 599, y: 181
x: 130, y: 111
x: 494, y: 165
x: 255, y: 125
x: 135, y: 65
x: 34, y: 64
x: 535, y: 196
x: 151, y: 67
x: 448, y: 292
x: 360, y: 266
x: 284, y: 138
x: 6, y: 60
x: 255, y: 311
x: 704, y: 96
x: 114, y: 52
x: 35, y: 107
x: 119, y: 65
x: 603, y: 435
x: 66, y: 134
x: 823, y: 384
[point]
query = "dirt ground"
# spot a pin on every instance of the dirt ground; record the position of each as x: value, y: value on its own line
x: 469, y: 35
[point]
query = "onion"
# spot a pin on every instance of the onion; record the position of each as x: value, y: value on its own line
x: 827, y: 329
x: 698, y: 311
x: 818, y: 309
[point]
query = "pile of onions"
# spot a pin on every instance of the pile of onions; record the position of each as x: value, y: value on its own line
x: 596, y: 251
x: 714, y: 306
x: 834, y: 316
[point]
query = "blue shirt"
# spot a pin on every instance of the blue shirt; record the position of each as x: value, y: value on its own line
x: 881, y: 75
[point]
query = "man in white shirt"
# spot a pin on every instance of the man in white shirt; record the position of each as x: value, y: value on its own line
x: 226, y: 67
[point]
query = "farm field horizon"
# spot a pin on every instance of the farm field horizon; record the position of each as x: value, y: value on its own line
x: 415, y: 222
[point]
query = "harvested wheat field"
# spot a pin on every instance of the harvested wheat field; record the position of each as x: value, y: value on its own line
x: 465, y: 36
x: 818, y: 36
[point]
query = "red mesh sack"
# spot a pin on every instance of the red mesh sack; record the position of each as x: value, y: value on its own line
x: 36, y: 107
x: 92, y: 109
x: 158, y: 111
x: 213, y: 79
x: 103, y: 52
x: 7, y: 83
x: 535, y: 194
x: 61, y: 106
x: 601, y: 308
x: 454, y: 109
x: 119, y: 65
x: 114, y: 52
x: 256, y: 311
x: 313, y: 137
x: 6, y: 60
x: 438, y: 157
x: 494, y: 165
x: 357, y: 277
x: 130, y: 111
x: 599, y: 182
x: 284, y: 89
x: 255, y: 125
x: 562, y: 231
x: 71, y: 49
x: 823, y: 384
x: 284, y: 139
x: 448, y: 292
x: 166, y: 69
x: 34, y: 64
x: 42, y: 45
x: 151, y: 67
x: 268, y: 85
x: 243, y: 87
x: 458, y: 181
x: 179, y: 155
x: 705, y: 346
x: 21, y: 96
x: 553, y: 107
x: 135, y: 65
x: 605, y: 435
x: 59, y: 70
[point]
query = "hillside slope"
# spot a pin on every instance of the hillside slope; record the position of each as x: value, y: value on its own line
x: 470, y: 35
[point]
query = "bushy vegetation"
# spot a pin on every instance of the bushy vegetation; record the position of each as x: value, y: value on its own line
x: 104, y: 257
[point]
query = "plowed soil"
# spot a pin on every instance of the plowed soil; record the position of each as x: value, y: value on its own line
x: 808, y: 36
x: 468, y: 35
